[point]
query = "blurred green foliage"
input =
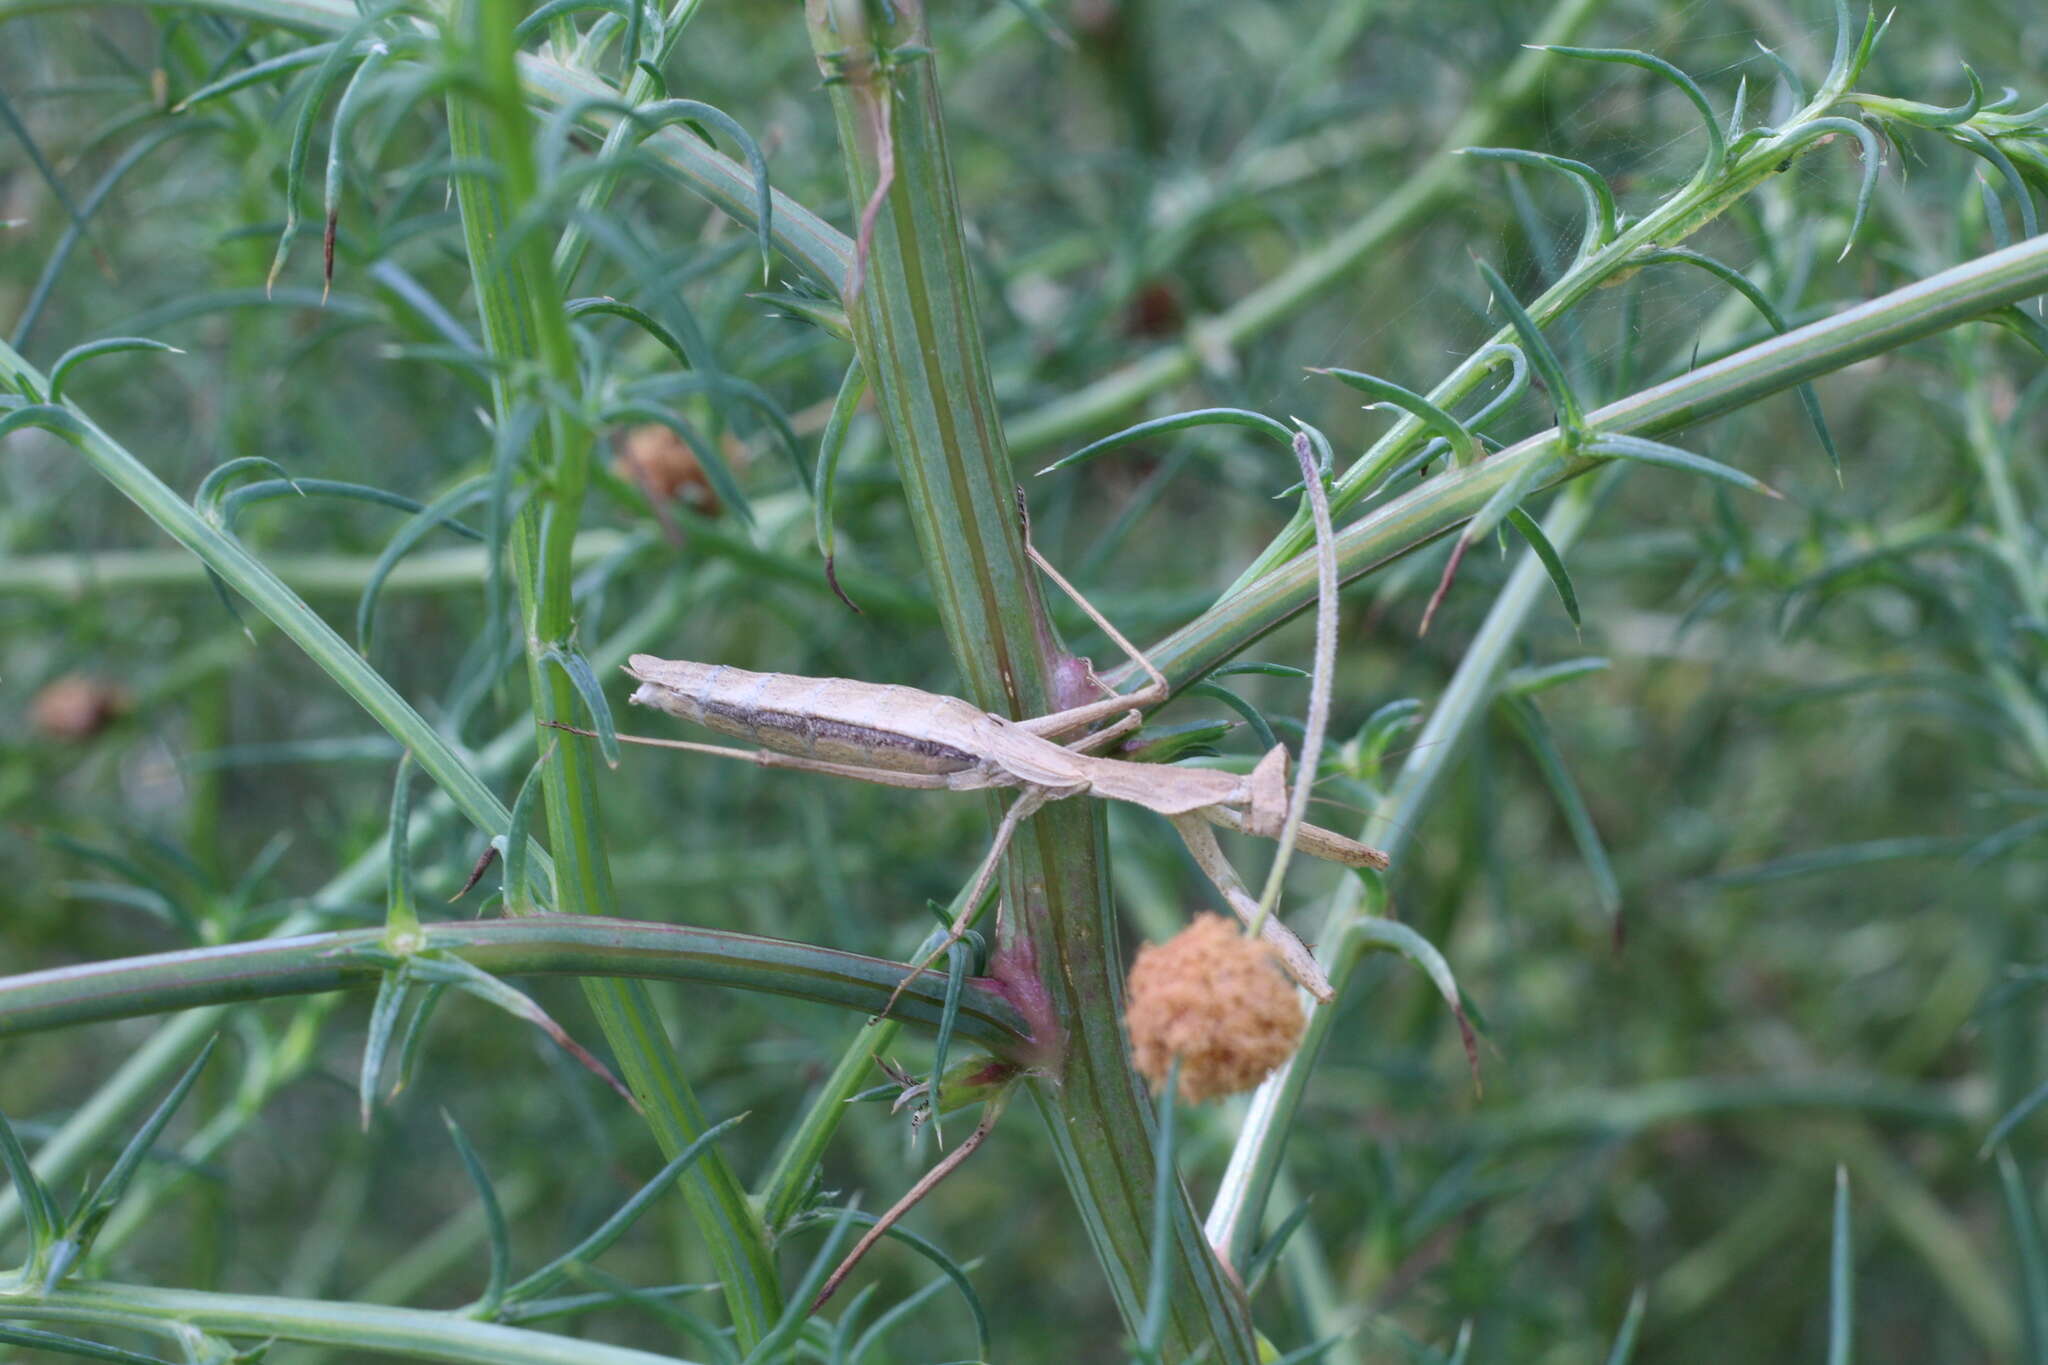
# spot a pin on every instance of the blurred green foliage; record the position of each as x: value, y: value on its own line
x: 1810, y: 760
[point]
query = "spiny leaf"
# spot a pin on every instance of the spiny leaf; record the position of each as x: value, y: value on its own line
x: 106, y: 346
x: 519, y: 839
x: 587, y: 687
x: 333, y: 65
x: 1179, y: 421
x: 474, y: 980
x: 1528, y: 682
x: 494, y: 1220
x: 959, y: 956
x: 345, y: 111
x: 2013, y: 1118
x: 1397, y: 937
x: 651, y: 118
x: 1624, y: 1348
x: 1464, y: 445
x: 1571, y: 415
x: 414, y: 1036
x: 255, y: 74
x: 1873, y: 161
x: 440, y: 511
x: 773, y: 1342
x: 1841, y: 856
x: 1717, y: 145
x: 2025, y: 1221
x: 2030, y: 223
x: 1252, y: 715
x: 1268, y: 1252
x: 1571, y: 803
x: 927, y: 1249
x: 401, y: 917
x: 38, y: 1209
x: 1553, y: 562
x: 620, y: 1222
x: 36, y: 1339
x: 265, y: 490
x: 831, y: 444
x: 708, y: 456
x: 1603, y: 220
x: 1613, y: 445
x: 392, y: 988
x: 92, y: 1213
x: 1931, y: 116
x: 1742, y: 285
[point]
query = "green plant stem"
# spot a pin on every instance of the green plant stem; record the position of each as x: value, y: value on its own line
x: 1960, y: 294
x: 1418, y: 195
x: 920, y: 345
x: 543, y: 945
x: 309, y: 575
x: 410, y: 1332
x: 520, y: 302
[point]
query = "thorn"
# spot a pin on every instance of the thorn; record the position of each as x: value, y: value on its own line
x: 1443, y: 586
x: 992, y: 1111
x: 327, y: 255
x: 832, y: 581
x: 476, y: 874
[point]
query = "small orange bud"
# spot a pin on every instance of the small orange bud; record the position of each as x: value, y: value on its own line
x: 1217, y: 1000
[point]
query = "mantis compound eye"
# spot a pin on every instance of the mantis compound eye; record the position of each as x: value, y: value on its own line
x: 1219, y: 1001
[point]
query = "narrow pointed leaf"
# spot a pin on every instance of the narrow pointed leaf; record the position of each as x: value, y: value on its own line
x: 77, y: 355
x: 572, y: 663
x: 39, y: 1211
x: 1180, y: 421
x: 1464, y: 445
x: 831, y: 444
x: 1616, y: 446
x: 1717, y: 144
x: 384, y: 1012
x: 1553, y: 562
x: 1571, y: 414
x: 1535, y: 733
x: 620, y: 1222
x: 494, y: 1220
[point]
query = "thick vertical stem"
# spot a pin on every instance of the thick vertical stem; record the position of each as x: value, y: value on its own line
x: 916, y: 332
x: 520, y: 301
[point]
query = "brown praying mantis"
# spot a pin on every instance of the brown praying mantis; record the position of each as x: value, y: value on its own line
x: 904, y: 737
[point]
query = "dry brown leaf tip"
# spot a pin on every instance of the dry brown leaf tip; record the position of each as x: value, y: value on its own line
x: 655, y: 458
x: 1216, y: 999
x: 77, y: 706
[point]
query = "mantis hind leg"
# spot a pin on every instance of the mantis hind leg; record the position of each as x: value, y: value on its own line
x: 1023, y: 808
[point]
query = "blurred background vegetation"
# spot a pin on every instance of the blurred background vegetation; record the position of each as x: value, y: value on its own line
x: 1814, y: 770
